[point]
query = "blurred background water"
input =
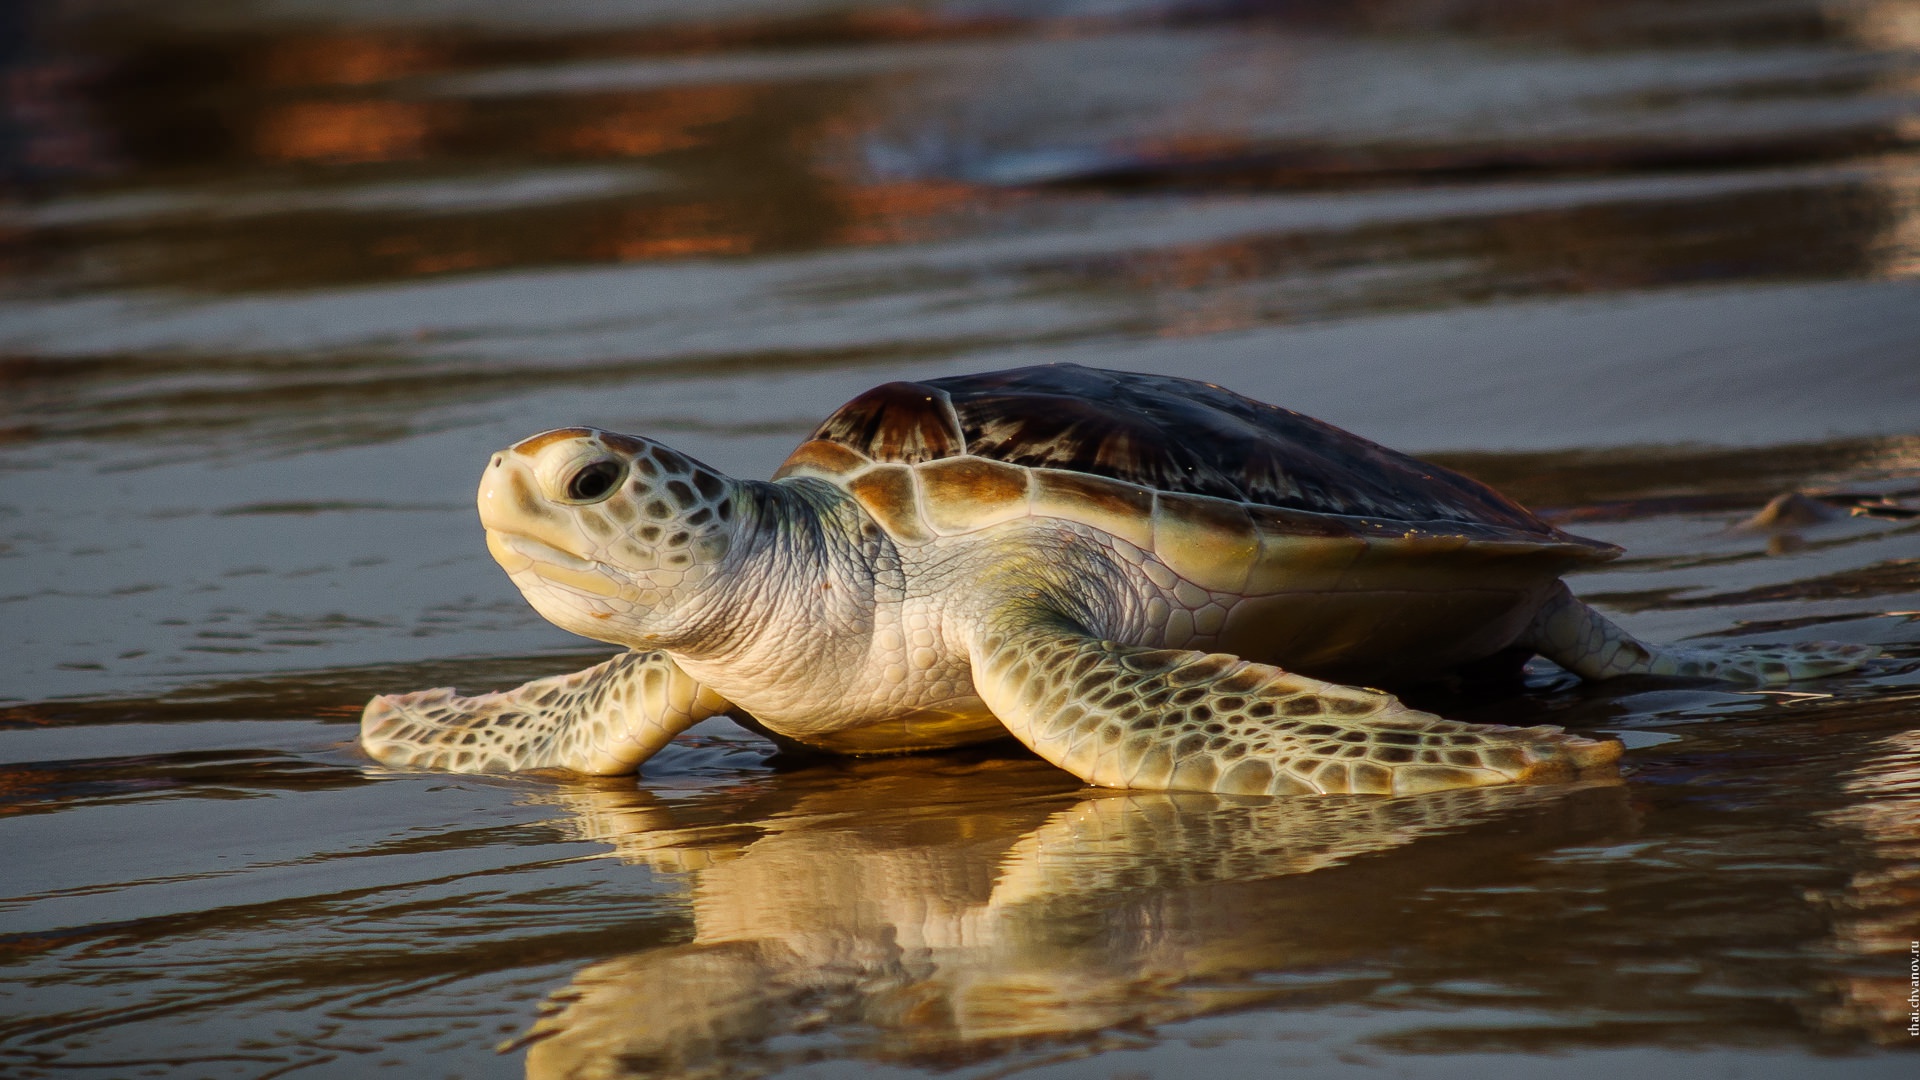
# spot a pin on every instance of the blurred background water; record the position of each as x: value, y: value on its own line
x: 277, y: 276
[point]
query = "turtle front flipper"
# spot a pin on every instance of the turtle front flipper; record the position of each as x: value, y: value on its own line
x: 1177, y: 720
x: 1587, y: 643
x: 605, y: 720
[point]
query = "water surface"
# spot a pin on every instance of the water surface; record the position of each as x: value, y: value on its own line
x: 276, y: 278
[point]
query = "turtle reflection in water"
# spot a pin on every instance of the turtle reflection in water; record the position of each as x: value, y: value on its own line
x: 1020, y: 916
x: 1126, y: 572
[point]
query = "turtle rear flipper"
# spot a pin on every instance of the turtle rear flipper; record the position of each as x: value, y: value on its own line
x: 604, y: 721
x: 1180, y: 720
x: 1587, y: 643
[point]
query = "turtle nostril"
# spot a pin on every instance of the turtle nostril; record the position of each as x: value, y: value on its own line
x: 593, y: 481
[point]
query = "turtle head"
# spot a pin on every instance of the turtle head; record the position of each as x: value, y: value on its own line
x: 607, y: 535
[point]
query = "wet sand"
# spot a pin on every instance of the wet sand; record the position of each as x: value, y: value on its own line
x: 276, y: 279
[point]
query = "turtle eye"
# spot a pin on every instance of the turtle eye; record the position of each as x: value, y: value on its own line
x: 594, y: 481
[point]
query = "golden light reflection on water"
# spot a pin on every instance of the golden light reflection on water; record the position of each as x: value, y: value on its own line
x: 677, y: 230
x: 1878, y: 913
x: 1882, y: 24
x: 1898, y: 245
x: 653, y: 123
x: 794, y: 159
x: 345, y: 132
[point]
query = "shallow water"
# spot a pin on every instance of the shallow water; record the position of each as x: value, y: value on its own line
x: 279, y: 275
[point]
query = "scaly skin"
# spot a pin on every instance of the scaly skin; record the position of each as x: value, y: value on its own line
x: 603, y: 721
x: 1587, y: 643
x: 1178, y: 720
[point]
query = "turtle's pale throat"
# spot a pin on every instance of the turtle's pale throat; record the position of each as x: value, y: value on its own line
x: 539, y: 552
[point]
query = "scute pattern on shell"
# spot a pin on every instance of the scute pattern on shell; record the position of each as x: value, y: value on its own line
x: 913, y: 422
x: 1166, y: 433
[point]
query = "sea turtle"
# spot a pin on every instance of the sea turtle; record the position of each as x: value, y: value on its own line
x: 1129, y: 573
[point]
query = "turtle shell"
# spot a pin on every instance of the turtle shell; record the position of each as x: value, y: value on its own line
x: 1235, y: 495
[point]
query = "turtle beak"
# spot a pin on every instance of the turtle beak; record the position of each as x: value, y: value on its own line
x: 526, y: 532
x: 509, y: 498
